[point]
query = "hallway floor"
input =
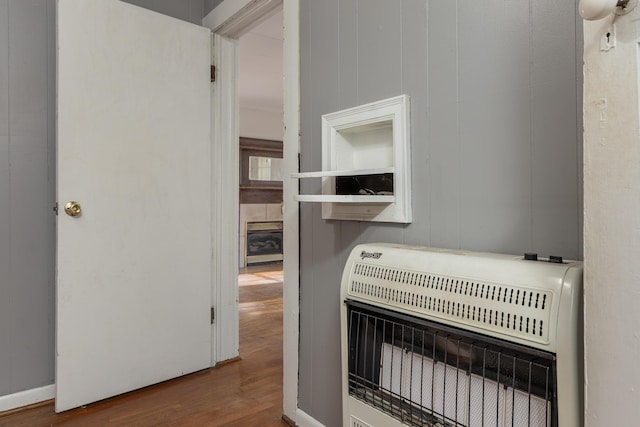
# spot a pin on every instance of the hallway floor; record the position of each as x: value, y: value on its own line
x: 245, y: 393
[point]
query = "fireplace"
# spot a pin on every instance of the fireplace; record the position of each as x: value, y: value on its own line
x: 264, y: 242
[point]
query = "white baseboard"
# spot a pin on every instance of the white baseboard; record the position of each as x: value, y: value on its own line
x: 27, y: 397
x: 305, y: 420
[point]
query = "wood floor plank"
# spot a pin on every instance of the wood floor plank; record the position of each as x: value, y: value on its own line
x: 246, y: 393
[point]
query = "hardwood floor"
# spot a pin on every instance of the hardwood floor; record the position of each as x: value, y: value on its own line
x: 245, y: 393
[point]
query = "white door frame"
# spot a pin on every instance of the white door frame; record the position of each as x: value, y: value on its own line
x: 229, y: 20
x: 224, y: 213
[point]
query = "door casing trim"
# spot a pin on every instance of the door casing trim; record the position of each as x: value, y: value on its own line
x: 229, y: 20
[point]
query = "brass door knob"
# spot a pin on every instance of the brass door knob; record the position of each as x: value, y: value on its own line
x: 72, y: 208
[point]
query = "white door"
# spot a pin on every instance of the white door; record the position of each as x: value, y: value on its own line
x: 134, y: 268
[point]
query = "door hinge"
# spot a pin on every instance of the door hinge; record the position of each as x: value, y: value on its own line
x: 213, y: 315
x: 55, y: 208
x: 213, y: 73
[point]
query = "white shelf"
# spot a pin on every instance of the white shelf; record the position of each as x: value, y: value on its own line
x: 326, y: 198
x: 350, y: 172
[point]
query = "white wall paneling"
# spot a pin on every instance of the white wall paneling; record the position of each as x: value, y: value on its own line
x: 611, y: 218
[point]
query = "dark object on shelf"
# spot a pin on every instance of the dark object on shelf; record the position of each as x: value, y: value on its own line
x: 363, y: 185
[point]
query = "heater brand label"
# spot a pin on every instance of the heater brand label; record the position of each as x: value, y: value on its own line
x: 374, y: 255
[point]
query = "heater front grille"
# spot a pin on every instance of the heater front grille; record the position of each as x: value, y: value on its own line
x: 427, y: 374
x: 438, y: 337
x: 507, y: 310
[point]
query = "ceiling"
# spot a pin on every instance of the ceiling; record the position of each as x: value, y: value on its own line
x: 260, y: 62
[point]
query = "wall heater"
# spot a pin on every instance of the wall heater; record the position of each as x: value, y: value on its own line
x: 435, y: 337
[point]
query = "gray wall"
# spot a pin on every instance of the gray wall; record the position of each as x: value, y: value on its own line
x: 209, y: 5
x: 27, y: 185
x: 27, y: 223
x: 496, y: 140
x: 187, y: 10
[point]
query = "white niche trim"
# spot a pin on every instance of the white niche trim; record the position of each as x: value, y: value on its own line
x: 367, y: 144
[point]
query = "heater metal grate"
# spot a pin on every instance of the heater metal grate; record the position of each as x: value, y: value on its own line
x: 438, y: 337
x: 427, y: 374
x: 500, y: 308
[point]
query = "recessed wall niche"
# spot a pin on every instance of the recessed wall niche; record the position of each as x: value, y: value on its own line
x: 366, y: 168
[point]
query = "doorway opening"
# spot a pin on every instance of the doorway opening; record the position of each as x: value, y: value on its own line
x: 260, y: 234
x: 229, y: 21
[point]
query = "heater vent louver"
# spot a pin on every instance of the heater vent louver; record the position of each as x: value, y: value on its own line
x: 499, y: 308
